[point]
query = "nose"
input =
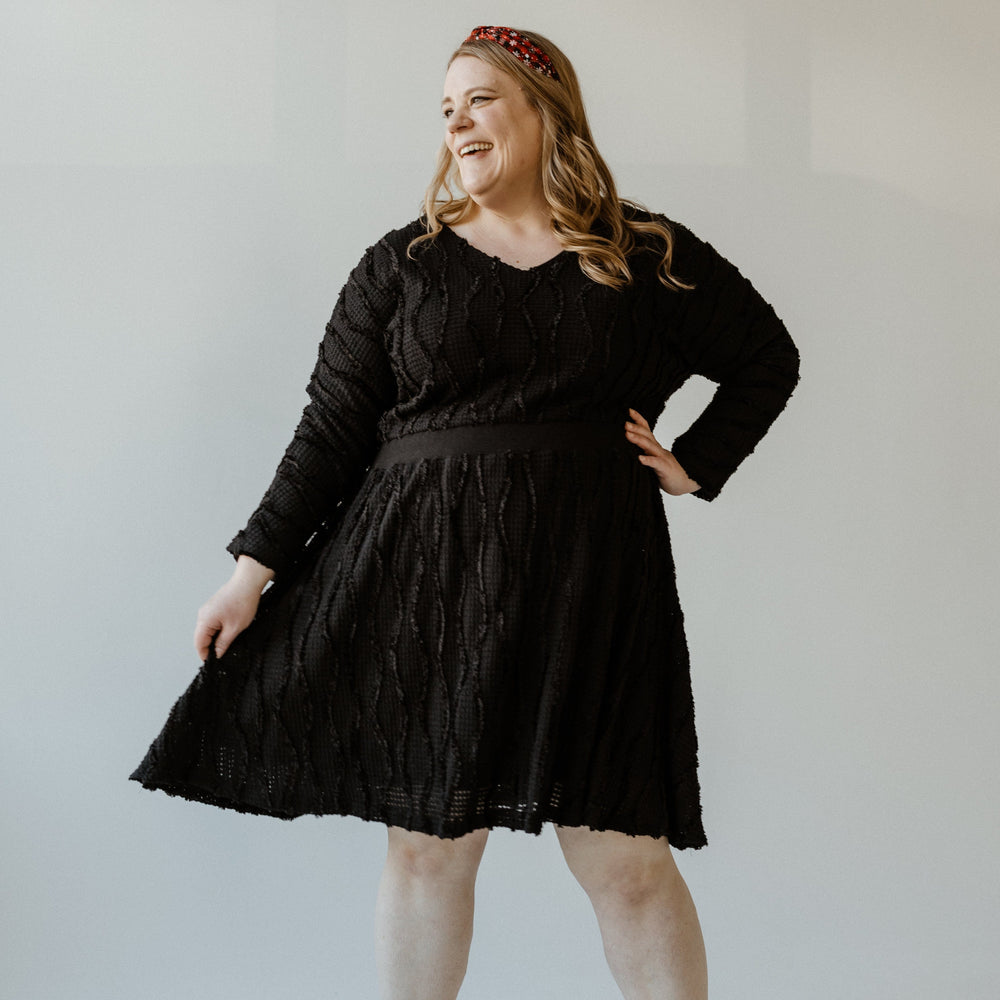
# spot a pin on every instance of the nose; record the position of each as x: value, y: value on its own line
x: 459, y: 119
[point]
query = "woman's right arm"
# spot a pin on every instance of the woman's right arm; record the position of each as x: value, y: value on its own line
x: 231, y: 608
x: 352, y: 386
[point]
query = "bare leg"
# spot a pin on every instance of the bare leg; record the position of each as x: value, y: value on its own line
x: 423, y: 917
x: 652, y: 938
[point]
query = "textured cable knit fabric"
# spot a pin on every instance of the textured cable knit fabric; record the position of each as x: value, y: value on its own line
x: 489, y: 638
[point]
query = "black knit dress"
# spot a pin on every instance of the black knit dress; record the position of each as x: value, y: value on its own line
x: 474, y: 620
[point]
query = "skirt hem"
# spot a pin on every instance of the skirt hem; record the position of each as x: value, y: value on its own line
x: 532, y: 822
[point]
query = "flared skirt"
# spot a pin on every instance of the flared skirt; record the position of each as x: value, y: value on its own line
x: 484, y: 639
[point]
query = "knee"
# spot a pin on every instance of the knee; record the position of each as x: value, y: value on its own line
x: 621, y: 873
x: 629, y: 883
x: 421, y: 857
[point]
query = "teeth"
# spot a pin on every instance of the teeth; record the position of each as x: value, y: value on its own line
x: 474, y: 147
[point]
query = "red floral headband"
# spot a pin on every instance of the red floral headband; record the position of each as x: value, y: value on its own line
x: 517, y: 44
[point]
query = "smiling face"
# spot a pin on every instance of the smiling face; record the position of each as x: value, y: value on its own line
x: 493, y: 133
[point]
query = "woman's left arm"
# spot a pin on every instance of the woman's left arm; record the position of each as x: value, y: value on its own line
x: 724, y: 330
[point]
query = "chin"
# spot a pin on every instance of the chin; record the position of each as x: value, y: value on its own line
x: 473, y: 189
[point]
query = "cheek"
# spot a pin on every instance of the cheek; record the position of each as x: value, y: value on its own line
x: 531, y: 149
x: 531, y: 140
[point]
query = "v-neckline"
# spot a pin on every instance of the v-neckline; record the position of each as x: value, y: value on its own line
x: 492, y: 257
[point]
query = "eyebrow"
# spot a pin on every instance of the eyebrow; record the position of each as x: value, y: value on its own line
x: 471, y: 90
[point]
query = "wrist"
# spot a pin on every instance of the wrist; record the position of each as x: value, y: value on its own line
x: 250, y: 573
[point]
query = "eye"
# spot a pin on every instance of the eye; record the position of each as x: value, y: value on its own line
x: 447, y: 113
x: 478, y: 97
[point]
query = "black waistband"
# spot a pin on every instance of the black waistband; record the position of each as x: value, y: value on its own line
x: 484, y: 438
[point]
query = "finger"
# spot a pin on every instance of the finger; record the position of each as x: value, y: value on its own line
x: 225, y: 639
x: 639, y: 418
x: 643, y: 437
x: 638, y: 428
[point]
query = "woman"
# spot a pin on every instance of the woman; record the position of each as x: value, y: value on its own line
x: 474, y: 621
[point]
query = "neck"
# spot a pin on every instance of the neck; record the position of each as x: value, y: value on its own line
x: 517, y: 221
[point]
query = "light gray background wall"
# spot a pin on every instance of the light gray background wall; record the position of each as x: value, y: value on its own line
x: 183, y: 188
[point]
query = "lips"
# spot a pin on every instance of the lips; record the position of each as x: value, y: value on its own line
x: 474, y: 147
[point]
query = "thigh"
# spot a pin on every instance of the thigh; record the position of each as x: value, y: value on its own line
x: 425, y: 854
x: 599, y: 859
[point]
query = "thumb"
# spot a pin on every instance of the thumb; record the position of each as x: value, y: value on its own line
x: 204, y: 636
x: 223, y: 640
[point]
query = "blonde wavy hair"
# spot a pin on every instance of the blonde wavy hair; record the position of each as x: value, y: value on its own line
x: 577, y: 183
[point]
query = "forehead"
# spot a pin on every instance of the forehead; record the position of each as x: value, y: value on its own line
x: 467, y: 72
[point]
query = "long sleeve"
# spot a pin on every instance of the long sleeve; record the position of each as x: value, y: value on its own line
x: 725, y: 331
x: 351, y: 386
